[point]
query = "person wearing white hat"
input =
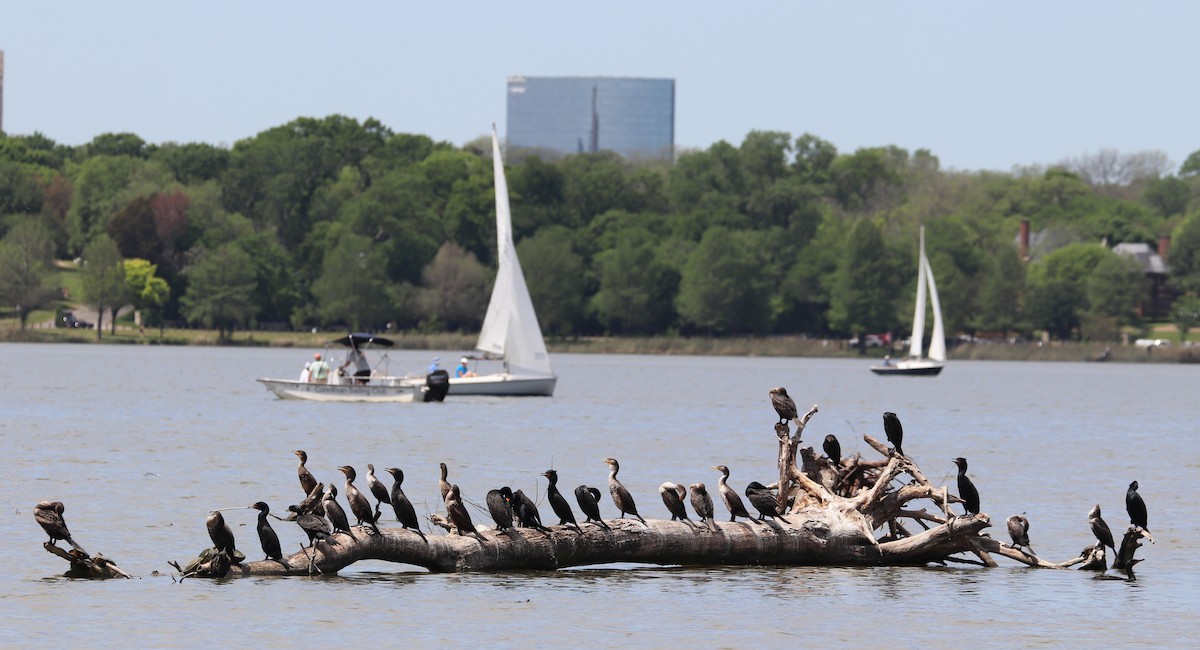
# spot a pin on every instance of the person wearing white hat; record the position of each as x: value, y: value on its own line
x: 463, y: 370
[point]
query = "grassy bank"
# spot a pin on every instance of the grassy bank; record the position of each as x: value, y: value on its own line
x: 775, y: 346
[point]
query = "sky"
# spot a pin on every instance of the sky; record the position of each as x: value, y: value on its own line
x: 983, y: 86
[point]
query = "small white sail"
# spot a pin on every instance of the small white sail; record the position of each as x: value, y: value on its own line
x: 510, y: 327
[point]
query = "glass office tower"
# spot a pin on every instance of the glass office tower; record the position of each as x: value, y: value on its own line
x: 633, y: 117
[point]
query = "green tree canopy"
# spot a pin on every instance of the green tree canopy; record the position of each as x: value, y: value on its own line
x: 220, y: 289
x: 103, y: 275
x: 866, y: 287
x: 456, y: 289
x: 555, y: 275
x: 27, y: 269
x: 635, y: 285
x: 353, y: 288
x: 722, y: 289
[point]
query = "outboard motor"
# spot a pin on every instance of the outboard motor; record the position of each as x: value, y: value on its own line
x: 437, y: 384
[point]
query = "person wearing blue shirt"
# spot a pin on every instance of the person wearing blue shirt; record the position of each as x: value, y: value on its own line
x: 463, y: 370
x: 434, y: 366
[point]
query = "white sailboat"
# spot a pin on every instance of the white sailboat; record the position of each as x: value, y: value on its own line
x: 917, y: 363
x: 511, y: 334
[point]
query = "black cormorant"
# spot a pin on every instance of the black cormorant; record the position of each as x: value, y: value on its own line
x: 307, y: 481
x: 561, y: 508
x: 335, y: 512
x: 895, y: 432
x: 526, y: 513
x: 406, y: 514
x: 620, y: 495
x: 458, y: 515
x: 732, y: 501
x: 673, y: 495
x: 588, y: 499
x: 499, y: 503
x: 1100, y: 529
x: 49, y: 515
x: 784, y: 405
x: 315, y: 527
x: 1018, y: 530
x: 359, y: 505
x: 764, y: 500
x: 267, y: 536
x: 1136, y: 507
x: 966, y: 489
x: 378, y: 490
x: 220, y: 534
x: 702, y: 503
x: 833, y: 449
x: 443, y: 484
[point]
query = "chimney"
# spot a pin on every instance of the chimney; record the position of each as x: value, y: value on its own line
x: 1164, y: 242
x: 1023, y: 250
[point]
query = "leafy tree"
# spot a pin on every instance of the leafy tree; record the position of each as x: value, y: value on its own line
x: 1191, y: 167
x: 1185, y: 255
x: 132, y: 228
x: 866, y: 286
x: 117, y: 144
x: 1113, y: 289
x: 1055, y: 306
x: 148, y: 291
x: 1000, y: 293
x: 98, y: 181
x: 103, y: 276
x: 1168, y: 196
x: 1185, y: 314
x: 220, y: 289
x: 194, y: 162
x: 353, y: 287
x: 27, y: 269
x: 456, y: 289
x: 636, y: 288
x: 556, y: 278
x: 722, y: 289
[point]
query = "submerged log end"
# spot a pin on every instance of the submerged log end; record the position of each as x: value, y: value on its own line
x: 96, y: 567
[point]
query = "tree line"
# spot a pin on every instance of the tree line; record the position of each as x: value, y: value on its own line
x: 333, y: 222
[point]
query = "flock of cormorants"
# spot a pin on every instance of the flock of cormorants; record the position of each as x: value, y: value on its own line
x: 320, y: 515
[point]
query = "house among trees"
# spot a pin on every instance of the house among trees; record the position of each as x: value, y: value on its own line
x: 1157, y: 301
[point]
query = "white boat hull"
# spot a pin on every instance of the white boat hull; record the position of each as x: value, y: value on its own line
x: 913, y: 367
x: 386, y: 389
x: 503, y: 384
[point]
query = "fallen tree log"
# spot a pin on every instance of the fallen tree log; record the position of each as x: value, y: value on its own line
x: 828, y: 522
x: 84, y: 566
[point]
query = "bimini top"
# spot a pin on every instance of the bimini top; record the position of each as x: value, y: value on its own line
x: 361, y: 339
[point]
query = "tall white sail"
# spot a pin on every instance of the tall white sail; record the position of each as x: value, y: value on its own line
x: 917, y: 345
x: 510, y: 328
x: 937, y: 344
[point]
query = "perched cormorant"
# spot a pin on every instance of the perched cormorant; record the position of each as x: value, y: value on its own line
x: 406, y: 514
x: 764, y: 500
x: 526, y: 513
x: 966, y: 489
x: 588, y: 499
x: 1100, y: 529
x: 458, y: 515
x: 377, y: 488
x: 49, y: 515
x: 784, y: 405
x: 335, y: 512
x: 561, y: 508
x: 267, y: 536
x: 220, y: 534
x: 895, y: 432
x: 443, y: 484
x: 673, y: 495
x: 307, y: 481
x: 702, y: 503
x: 315, y: 527
x: 620, y: 495
x: 732, y: 501
x: 359, y: 505
x: 313, y: 502
x: 499, y: 503
x: 1136, y: 507
x: 1018, y: 530
x: 833, y: 449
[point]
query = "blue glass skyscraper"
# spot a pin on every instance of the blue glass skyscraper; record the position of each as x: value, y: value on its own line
x: 633, y: 117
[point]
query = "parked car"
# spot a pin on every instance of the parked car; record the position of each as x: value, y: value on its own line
x: 871, y: 341
x: 68, y: 320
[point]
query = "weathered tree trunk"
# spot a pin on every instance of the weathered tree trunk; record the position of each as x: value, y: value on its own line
x: 822, y: 527
x: 82, y: 566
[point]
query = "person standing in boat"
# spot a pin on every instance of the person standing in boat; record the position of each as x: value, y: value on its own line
x: 362, y: 369
x: 463, y: 370
x: 318, y: 370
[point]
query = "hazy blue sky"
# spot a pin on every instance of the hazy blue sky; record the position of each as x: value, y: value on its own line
x: 981, y: 85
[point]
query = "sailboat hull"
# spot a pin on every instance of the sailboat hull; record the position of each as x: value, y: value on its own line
x: 921, y: 368
x: 503, y: 384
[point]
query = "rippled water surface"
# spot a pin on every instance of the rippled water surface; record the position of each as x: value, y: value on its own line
x: 141, y: 442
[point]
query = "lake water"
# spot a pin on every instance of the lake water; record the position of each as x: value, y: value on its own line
x: 141, y: 442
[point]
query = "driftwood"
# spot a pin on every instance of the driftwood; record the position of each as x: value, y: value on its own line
x: 84, y: 566
x: 854, y: 513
